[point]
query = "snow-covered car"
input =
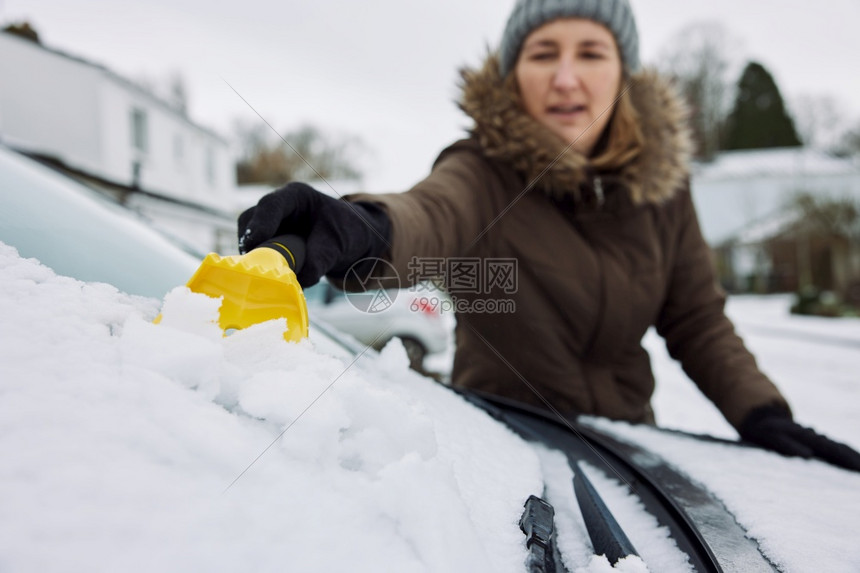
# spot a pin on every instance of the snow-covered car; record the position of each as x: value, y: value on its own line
x: 403, y: 314
x: 132, y: 446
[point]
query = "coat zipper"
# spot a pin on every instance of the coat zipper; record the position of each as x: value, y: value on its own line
x: 598, y: 191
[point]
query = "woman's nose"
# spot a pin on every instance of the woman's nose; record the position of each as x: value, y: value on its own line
x: 566, y: 75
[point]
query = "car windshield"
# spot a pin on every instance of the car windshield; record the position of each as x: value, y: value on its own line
x: 78, y: 233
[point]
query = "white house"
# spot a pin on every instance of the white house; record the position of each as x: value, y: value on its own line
x: 742, y: 188
x: 744, y: 199
x: 93, y: 121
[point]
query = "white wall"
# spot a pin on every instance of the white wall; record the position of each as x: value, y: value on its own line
x: 175, y: 161
x: 49, y: 103
x: 81, y: 113
x: 181, y: 174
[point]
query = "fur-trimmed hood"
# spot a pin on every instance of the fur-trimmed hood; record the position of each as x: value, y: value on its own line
x: 507, y: 132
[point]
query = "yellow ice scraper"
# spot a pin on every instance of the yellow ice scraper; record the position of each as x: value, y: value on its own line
x: 257, y: 286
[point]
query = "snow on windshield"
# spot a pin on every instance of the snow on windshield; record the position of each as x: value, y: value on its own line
x: 139, y: 447
x: 119, y: 438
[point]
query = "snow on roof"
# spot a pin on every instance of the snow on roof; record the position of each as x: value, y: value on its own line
x: 762, y: 163
x: 767, y: 227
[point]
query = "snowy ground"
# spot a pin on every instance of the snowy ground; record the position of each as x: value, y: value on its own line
x: 129, y: 446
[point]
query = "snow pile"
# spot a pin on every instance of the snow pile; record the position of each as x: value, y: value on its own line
x: 120, y: 440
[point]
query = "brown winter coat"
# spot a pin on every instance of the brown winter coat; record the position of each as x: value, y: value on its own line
x: 592, y: 275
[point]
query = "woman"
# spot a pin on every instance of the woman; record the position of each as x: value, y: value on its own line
x: 576, y: 169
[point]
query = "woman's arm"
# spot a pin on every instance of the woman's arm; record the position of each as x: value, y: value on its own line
x: 699, y: 334
x: 444, y: 214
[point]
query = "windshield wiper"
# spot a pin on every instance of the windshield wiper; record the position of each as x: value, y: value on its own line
x: 699, y: 524
x: 607, y: 537
x: 538, y: 525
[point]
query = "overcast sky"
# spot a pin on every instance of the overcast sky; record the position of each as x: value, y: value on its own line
x: 385, y: 70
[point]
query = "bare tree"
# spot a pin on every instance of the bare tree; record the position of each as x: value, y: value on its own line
x: 699, y: 59
x: 303, y: 154
x: 848, y: 143
x: 837, y: 216
x: 817, y: 119
x: 839, y: 219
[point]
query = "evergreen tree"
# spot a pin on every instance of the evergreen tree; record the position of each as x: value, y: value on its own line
x: 759, y: 118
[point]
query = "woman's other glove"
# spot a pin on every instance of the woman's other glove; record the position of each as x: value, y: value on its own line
x: 771, y: 427
x: 338, y: 233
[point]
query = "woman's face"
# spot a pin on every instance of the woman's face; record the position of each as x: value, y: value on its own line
x: 569, y: 75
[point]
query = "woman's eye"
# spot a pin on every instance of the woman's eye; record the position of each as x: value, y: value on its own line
x: 542, y: 56
x: 592, y: 55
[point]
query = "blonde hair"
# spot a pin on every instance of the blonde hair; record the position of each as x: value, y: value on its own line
x: 623, y: 139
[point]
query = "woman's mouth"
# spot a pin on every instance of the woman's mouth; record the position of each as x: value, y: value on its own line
x: 569, y: 108
x: 566, y: 111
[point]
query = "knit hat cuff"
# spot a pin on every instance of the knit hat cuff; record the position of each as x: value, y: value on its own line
x: 528, y: 15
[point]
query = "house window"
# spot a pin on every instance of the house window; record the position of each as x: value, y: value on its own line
x: 139, y: 130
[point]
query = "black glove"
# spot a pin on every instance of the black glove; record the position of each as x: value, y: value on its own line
x: 338, y: 233
x: 771, y: 427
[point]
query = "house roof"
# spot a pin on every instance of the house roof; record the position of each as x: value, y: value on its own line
x: 125, y: 82
x: 763, y: 163
x: 766, y: 228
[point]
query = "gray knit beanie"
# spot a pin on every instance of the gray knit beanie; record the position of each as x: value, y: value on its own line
x: 530, y: 14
